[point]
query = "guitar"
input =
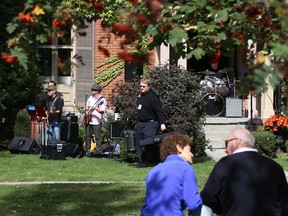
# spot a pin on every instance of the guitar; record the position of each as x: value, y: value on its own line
x: 88, y: 117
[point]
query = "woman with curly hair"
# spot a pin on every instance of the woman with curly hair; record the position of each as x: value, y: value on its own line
x: 171, y: 186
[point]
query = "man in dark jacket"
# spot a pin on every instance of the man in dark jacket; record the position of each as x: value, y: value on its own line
x: 149, y: 117
x: 53, y: 107
x: 246, y: 182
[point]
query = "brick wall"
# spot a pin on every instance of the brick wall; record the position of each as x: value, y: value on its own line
x: 114, y: 48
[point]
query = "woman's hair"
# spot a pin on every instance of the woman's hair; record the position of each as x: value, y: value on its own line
x: 169, y: 143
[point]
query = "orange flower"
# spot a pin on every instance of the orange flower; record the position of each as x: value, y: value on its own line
x: 8, y: 58
x: 276, y: 124
x: 59, y: 23
x: 25, y: 18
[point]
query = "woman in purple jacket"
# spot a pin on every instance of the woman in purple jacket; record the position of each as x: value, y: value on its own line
x: 171, y: 186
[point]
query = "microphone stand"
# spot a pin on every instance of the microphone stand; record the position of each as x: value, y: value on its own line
x: 86, y: 127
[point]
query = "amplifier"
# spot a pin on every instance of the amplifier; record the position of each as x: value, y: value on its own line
x: 70, y: 118
x: 116, y: 130
x: 129, y: 136
x: 233, y: 107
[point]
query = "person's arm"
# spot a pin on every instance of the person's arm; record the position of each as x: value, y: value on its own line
x: 157, y: 107
x: 211, y: 192
x: 102, y: 107
x: 59, y: 105
x: 190, y: 192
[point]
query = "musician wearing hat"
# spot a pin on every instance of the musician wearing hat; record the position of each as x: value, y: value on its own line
x: 95, y: 108
x: 53, y: 108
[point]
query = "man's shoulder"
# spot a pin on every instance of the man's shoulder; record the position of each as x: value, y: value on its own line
x: 59, y: 94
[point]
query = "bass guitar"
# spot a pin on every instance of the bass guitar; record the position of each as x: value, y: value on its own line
x: 88, y: 117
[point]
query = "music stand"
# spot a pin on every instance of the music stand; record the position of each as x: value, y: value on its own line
x: 39, y: 111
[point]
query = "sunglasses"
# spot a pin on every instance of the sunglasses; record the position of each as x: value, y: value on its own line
x: 227, y: 141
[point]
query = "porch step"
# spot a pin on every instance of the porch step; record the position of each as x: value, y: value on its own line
x: 216, y: 130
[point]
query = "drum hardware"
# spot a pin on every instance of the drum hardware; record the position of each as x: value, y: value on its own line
x: 207, y: 72
x: 225, y: 70
x: 214, y: 104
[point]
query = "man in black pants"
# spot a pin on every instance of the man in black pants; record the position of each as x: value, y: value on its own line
x: 149, y: 117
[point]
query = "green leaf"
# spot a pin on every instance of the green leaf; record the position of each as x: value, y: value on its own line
x: 11, y: 27
x: 222, y: 15
x: 42, y: 38
x: 22, y: 56
x: 176, y: 36
x: 198, y: 53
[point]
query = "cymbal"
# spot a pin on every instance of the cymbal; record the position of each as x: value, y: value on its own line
x: 207, y: 72
x: 225, y: 70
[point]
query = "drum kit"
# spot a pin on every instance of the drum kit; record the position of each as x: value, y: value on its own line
x: 216, y: 89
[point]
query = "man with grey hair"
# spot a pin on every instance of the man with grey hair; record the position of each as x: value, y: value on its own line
x: 246, y: 182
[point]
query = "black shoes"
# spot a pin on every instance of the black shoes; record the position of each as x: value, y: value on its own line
x: 88, y: 155
x: 141, y: 165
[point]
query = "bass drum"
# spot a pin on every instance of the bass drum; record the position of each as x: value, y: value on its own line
x: 214, y: 104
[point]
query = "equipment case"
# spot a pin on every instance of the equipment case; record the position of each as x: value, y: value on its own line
x: 55, y: 150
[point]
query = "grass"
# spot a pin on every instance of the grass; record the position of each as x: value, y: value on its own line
x: 282, y: 159
x: 123, y: 197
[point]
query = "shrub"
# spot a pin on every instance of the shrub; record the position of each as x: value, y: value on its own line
x: 22, y: 124
x: 181, y: 98
x: 265, y: 143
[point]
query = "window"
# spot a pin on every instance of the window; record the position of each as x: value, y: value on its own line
x: 55, y: 58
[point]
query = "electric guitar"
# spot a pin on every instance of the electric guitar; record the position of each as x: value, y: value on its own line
x: 88, y: 117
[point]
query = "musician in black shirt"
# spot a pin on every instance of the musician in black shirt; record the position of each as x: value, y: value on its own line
x: 149, y: 117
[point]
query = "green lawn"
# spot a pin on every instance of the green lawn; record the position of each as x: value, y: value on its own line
x: 124, y: 196
x: 121, y: 191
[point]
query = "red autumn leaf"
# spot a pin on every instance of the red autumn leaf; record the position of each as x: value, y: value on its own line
x: 59, y: 23
x: 134, y: 2
x: 8, y: 58
x: 122, y: 29
x: 126, y: 56
x: 142, y: 19
x: 104, y: 51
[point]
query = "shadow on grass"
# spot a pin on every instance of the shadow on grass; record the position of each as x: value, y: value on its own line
x: 70, y: 199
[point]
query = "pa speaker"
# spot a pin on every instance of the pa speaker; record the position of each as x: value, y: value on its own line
x: 116, y: 130
x: 73, y: 150
x: 129, y: 140
x: 233, y: 107
x: 69, y: 132
x: 23, y: 145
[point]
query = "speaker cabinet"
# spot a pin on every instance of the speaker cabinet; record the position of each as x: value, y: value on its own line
x: 23, y: 145
x: 116, y: 130
x: 233, y: 107
x: 129, y: 136
x: 73, y: 150
x: 69, y: 132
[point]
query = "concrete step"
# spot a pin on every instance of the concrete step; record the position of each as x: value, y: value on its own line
x: 216, y: 130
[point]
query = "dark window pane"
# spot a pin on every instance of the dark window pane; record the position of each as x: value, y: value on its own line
x: 46, y: 61
x: 64, y: 62
x: 64, y: 37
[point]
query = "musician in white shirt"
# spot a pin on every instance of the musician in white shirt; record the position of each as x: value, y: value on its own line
x: 95, y: 108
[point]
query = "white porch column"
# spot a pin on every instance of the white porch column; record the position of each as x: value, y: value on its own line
x: 162, y: 55
x: 267, y: 103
